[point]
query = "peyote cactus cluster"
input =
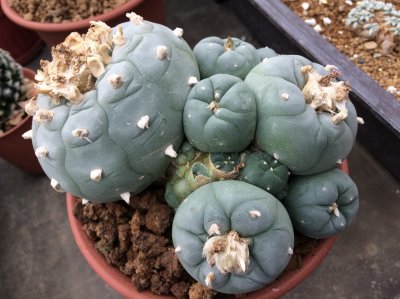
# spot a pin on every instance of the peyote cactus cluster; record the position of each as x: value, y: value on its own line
x: 376, y: 20
x: 247, y: 142
x: 11, y: 86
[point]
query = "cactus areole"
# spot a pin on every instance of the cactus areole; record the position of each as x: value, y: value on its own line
x: 109, y: 115
x: 305, y: 118
x: 232, y: 236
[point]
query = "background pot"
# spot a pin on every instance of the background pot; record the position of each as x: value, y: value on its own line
x: 122, y: 284
x: 23, y: 44
x: 15, y: 149
x: 54, y: 33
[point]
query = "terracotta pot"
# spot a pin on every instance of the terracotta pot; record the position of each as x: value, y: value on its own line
x: 122, y: 284
x: 15, y: 149
x: 23, y: 44
x: 54, y: 33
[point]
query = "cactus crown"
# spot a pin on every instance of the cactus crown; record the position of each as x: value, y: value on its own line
x: 11, y: 85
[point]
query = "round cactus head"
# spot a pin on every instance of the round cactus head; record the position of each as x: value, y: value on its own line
x: 304, y: 116
x: 323, y: 204
x: 232, y: 236
x: 225, y: 56
x: 108, y: 120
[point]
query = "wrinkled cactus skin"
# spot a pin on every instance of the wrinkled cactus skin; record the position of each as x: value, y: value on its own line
x: 220, y: 114
x: 213, y: 58
x: 310, y: 203
x: 228, y: 204
x: 130, y: 157
x: 303, y: 139
x: 264, y: 171
x: 193, y: 168
x: 11, y: 84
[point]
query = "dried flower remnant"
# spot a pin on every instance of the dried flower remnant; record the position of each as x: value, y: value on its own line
x: 229, y: 253
x: 323, y: 94
x: 75, y: 65
x: 376, y: 20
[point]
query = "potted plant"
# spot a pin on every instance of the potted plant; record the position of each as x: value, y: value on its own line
x: 54, y: 33
x: 288, y: 33
x: 16, y: 90
x: 109, y: 124
x: 23, y: 44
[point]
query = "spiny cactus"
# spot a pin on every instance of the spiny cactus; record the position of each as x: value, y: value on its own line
x: 11, y: 86
x: 109, y: 116
x: 193, y: 168
x: 376, y: 20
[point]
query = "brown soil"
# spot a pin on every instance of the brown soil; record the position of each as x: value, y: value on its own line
x: 372, y: 59
x: 136, y: 239
x: 59, y: 11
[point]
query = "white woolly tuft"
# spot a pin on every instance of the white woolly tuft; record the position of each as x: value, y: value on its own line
x: 96, y: 175
x: 56, y: 185
x: 169, y: 151
x: 27, y: 135
x: 214, y: 230
x: 143, y: 122
x: 178, y: 32
x: 41, y: 152
x: 126, y: 197
x: 192, y: 80
x: 162, y: 52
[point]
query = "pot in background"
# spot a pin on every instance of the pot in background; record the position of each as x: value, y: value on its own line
x: 55, y: 33
x: 15, y: 149
x: 23, y: 44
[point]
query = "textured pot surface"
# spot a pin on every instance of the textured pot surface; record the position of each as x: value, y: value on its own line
x: 54, y: 33
x: 23, y: 44
x: 15, y: 149
x: 122, y: 283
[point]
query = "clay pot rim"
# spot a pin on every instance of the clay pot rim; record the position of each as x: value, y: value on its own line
x: 30, y: 74
x: 68, y: 26
x: 122, y: 284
